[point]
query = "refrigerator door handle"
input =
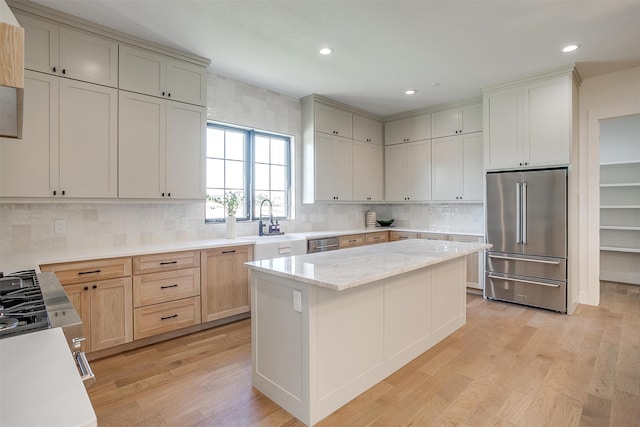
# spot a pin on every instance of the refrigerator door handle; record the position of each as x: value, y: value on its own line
x: 524, y: 259
x: 518, y: 212
x: 524, y: 213
x: 513, y: 279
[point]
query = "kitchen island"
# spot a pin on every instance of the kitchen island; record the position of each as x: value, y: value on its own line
x: 328, y: 326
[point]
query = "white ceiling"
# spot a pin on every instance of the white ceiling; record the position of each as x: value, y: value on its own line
x: 381, y: 47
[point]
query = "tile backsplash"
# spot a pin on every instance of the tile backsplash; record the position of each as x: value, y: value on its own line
x: 26, y: 227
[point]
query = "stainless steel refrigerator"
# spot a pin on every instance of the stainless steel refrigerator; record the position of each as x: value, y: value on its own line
x: 527, y: 226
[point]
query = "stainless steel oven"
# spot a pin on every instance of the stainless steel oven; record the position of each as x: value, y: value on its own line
x: 31, y: 302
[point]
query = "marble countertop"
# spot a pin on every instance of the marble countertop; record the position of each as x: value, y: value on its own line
x: 39, y: 383
x: 348, y: 268
x: 29, y: 260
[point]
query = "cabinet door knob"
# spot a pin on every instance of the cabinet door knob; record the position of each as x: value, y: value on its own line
x: 64, y: 71
x: 162, y: 93
x: 95, y: 286
x: 163, y: 193
x: 169, y: 94
x: 86, y: 288
x: 63, y: 192
x: 54, y: 69
x: 55, y: 193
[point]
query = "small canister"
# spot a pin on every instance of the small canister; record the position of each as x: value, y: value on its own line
x: 370, y: 219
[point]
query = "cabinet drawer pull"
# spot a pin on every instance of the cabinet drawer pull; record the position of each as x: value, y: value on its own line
x: 80, y: 273
x: 168, y: 262
x: 229, y: 252
x: 403, y: 237
x: 169, y: 317
x: 169, y: 286
x: 352, y: 241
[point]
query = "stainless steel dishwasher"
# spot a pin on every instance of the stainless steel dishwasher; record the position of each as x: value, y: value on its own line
x: 323, y: 245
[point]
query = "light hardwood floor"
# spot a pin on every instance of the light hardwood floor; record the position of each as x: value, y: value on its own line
x: 508, y: 366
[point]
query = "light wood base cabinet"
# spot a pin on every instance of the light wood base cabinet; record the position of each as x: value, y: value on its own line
x: 101, y: 293
x: 225, y: 282
x: 165, y: 317
x: 105, y: 308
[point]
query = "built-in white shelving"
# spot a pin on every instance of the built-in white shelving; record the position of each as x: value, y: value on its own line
x: 620, y: 202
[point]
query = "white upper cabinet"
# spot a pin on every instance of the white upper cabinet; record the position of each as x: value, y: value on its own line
x: 408, y: 172
x: 367, y: 130
x: 368, y: 171
x: 186, y: 127
x: 38, y: 147
x: 88, y: 140
x: 407, y: 130
x: 334, y: 168
x: 71, y: 53
x: 457, y: 168
x: 332, y: 120
x: 529, y: 125
x: 161, y: 148
x: 154, y: 74
x: 456, y: 121
x: 70, y: 141
x: 339, y: 168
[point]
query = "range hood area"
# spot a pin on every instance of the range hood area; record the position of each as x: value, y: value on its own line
x: 11, y: 74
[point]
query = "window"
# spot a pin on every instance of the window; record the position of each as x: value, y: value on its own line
x: 252, y: 163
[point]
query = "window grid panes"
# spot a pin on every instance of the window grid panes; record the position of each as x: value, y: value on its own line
x: 249, y: 163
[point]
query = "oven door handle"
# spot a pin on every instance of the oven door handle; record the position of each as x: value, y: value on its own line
x: 86, y: 374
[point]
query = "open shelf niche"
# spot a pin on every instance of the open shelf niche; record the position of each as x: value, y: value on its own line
x: 620, y: 199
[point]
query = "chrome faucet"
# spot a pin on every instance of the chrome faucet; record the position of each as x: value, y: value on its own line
x: 260, y: 223
x: 273, y: 228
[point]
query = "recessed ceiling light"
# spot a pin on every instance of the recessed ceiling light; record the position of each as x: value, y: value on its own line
x: 326, y: 51
x: 570, y: 48
x: 436, y: 84
x: 410, y: 92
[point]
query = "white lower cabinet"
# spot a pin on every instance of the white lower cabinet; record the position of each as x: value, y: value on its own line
x: 457, y: 168
x: 70, y: 141
x: 408, y: 172
x: 368, y: 176
x: 161, y: 148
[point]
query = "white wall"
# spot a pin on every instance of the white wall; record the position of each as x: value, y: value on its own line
x: 602, y: 97
x: 26, y: 227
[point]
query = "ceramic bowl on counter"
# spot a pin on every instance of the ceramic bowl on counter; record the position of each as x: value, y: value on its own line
x: 384, y: 222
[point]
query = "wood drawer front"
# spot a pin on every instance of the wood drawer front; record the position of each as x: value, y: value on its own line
x: 377, y: 237
x: 239, y: 250
x: 165, y: 261
x: 70, y: 273
x: 402, y: 235
x: 154, y: 288
x: 351, y: 240
x: 168, y: 316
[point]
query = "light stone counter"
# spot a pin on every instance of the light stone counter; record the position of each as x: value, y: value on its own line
x: 328, y: 326
x: 348, y: 268
x: 40, y: 384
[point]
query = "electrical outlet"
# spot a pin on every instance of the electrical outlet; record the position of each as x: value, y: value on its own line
x: 297, y: 301
x: 60, y: 226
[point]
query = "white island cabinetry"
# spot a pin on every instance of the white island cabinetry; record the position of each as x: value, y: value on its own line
x: 328, y: 326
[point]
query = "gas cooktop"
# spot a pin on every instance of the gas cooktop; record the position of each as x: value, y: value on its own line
x: 22, y: 306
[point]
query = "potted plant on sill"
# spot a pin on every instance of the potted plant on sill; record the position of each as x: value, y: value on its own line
x: 231, y: 202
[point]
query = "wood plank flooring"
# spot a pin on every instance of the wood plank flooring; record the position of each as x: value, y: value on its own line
x: 508, y: 366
